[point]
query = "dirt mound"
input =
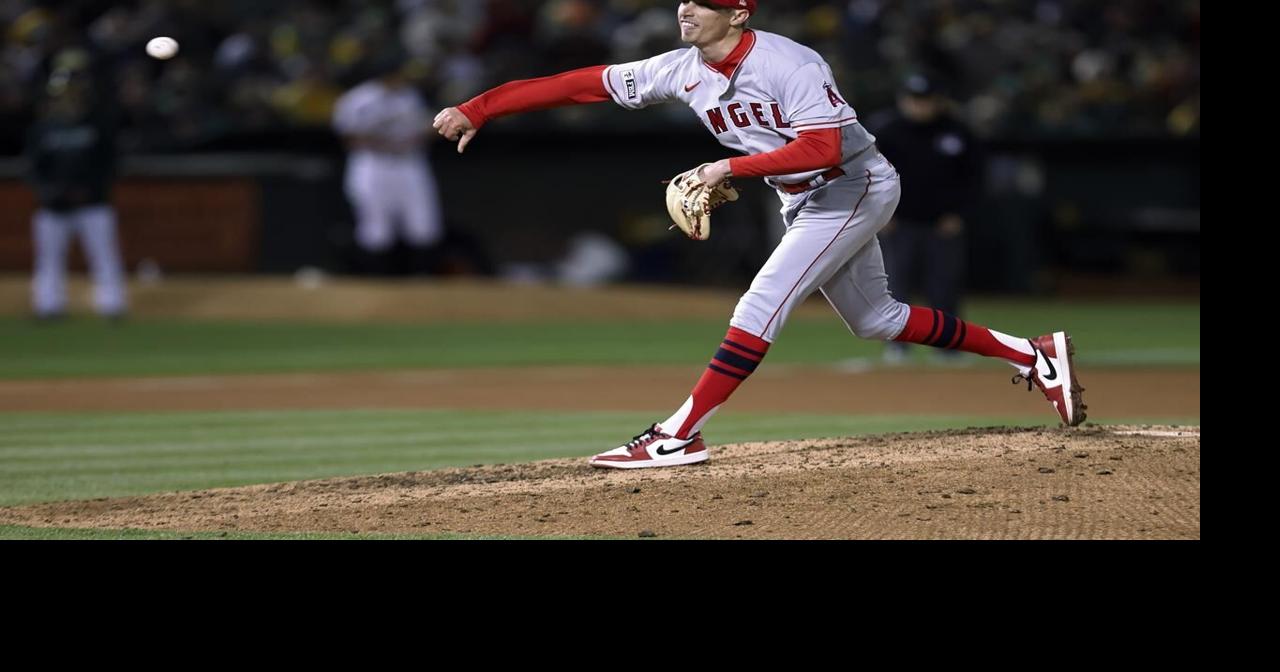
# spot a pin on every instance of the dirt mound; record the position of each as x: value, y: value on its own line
x: 1008, y: 483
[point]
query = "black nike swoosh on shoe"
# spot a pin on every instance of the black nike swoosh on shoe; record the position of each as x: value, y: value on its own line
x: 1053, y: 373
x: 660, y: 451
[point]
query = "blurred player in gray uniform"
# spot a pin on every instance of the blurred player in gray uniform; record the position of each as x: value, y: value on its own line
x: 385, y: 124
x: 71, y: 153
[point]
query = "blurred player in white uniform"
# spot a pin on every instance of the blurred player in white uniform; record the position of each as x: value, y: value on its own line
x: 385, y: 125
x: 775, y: 100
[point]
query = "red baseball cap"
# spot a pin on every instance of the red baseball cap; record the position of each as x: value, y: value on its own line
x: 749, y: 5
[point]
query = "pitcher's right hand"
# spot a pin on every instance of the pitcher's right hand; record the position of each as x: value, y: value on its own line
x: 454, y: 125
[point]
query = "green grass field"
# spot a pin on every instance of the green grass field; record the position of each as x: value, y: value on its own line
x: 58, y: 456
x: 1116, y: 335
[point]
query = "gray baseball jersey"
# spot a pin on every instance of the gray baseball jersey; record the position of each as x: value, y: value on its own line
x: 779, y: 88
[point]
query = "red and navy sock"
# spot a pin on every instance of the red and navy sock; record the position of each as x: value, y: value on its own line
x: 929, y: 326
x: 738, y: 356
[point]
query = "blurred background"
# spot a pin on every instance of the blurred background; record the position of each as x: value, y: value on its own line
x: 224, y: 323
x: 1087, y: 113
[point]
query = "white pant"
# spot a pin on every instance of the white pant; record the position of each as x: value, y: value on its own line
x: 386, y: 190
x: 52, y: 232
x: 830, y: 244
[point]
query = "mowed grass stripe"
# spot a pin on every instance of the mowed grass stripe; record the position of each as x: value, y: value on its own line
x: 145, y: 347
x: 536, y: 430
x: 282, y: 435
x: 51, y: 473
x: 38, y: 424
x: 14, y: 532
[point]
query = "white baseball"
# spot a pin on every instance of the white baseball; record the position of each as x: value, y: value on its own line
x: 162, y: 47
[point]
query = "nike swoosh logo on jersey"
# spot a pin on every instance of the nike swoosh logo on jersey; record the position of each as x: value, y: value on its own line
x: 690, y: 87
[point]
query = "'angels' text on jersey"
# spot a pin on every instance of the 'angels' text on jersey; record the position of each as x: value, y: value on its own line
x: 767, y: 92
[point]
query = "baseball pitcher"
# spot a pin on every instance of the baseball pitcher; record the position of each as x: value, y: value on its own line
x: 775, y: 102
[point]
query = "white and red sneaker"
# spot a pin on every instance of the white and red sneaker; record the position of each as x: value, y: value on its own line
x: 1055, y: 374
x: 653, y: 448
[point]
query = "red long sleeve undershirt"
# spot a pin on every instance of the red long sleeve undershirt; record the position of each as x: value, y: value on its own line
x: 811, y: 150
x: 584, y: 85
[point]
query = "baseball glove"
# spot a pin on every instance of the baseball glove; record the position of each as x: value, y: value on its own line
x: 690, y: 202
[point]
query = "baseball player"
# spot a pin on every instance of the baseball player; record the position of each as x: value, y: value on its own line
x: 391, y: 188
x: 71, y: 156
x: 774, y: 100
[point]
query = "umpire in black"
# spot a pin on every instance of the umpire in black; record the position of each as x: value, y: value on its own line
x: 935, y: 154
